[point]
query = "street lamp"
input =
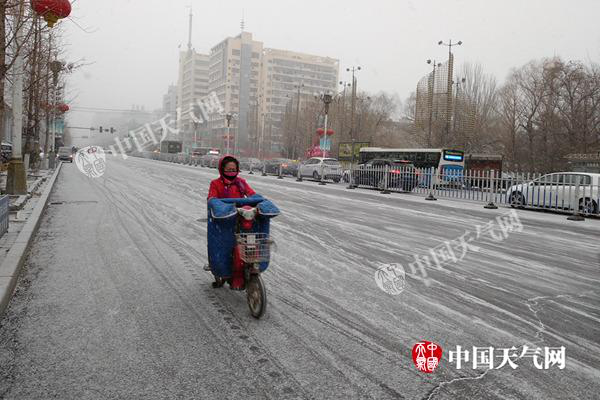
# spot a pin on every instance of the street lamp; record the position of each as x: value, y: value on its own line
x: 229, y: 117
x: 326, y: 98
x: 354, y: 87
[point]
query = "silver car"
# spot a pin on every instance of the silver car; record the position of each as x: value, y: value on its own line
x: 314, y: 167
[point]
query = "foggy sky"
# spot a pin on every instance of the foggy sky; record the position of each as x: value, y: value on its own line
x: 133, y: 44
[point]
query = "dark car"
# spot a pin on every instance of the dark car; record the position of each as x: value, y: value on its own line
x: 290, y: 167
x: 250, y: 164
x: 65, y: 154
x: 272, y: 166
x: 400, y: 174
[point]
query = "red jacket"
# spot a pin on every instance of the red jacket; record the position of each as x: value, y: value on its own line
x: 222, y: 188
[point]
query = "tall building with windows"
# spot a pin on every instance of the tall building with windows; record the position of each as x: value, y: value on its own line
x: 284, y: 75
x: 254, y: 84
x: 234, y: 75
x: 192, y: 85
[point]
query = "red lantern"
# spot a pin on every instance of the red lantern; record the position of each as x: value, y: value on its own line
x: 52, y: 10
x: 329, y: 132
x: 320, y: 131
x: 63, y: 108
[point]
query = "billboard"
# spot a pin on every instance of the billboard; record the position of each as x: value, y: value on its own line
x: 345, y: 150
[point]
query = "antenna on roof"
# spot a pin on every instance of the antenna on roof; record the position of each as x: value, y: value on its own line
x: 190, y: 29
x: 242, y: 23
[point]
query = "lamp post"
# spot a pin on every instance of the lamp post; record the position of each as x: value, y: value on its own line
x: 326, y: 98
x: 295, y: 142
x: 228, y: 117
x: 431, y: 93
x: 354, y: 70
x: 262, y: 135
x: 450, y: 75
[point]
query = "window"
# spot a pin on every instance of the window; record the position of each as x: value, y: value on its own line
x: 583, y: 179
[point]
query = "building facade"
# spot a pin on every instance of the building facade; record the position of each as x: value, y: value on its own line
x: 287, y: 77
x: 192, y: 86
x: 234, y: 75
x: 254, y: 85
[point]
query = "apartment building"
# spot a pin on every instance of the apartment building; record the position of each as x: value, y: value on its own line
x: 254, y: 84
x: 192, y: 85
x: 234, y: 75
x: 284, y: 75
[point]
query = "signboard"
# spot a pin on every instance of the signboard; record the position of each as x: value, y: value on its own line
x: 325, y: 143
x: 59, y: 127
x: 345, y: 150
x: 454, y: 155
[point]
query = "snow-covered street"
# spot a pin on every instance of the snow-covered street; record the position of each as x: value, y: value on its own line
x: 114, y: 302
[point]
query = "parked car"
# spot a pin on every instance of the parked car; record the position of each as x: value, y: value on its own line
x: 401, y: 174
x: 314, y: 167
x: 213, y: 162
x: 272, y: 166
x: 559, y: 190
x: 209, y: 160
x: 65, y: 154
x: 291, y: 167
x: 250, y: 164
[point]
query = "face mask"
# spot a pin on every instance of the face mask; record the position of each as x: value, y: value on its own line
x: 230, y: 175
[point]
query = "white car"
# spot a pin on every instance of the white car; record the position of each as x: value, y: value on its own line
x: 314, y: 167
x: 560, y: 190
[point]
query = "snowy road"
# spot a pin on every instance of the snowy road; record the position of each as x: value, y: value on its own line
x: 114, y: 303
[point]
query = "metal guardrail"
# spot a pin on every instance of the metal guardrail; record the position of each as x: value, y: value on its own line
x: 575, y: 193
x: 4, y: 214
x: 572, y: 192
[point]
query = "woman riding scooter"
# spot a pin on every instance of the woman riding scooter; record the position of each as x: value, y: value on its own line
x: 229, y: 186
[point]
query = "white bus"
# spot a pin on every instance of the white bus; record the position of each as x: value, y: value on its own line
x: 450, y: 164
x: 421, y: 158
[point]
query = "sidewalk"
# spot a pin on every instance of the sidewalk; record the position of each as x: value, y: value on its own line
x: 25, y: 214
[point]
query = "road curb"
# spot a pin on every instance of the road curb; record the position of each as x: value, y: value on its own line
x: 15, y: 258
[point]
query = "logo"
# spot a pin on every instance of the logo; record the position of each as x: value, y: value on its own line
x: 427, y: 356
x: 91, y: 161
x: 391, y: 278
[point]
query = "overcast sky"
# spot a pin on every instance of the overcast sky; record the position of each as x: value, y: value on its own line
x: 133, y: 44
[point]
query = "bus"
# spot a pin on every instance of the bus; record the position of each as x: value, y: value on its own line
x: 450, y: 164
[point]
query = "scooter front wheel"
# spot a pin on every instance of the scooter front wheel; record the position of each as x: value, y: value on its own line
x: 256, y: 294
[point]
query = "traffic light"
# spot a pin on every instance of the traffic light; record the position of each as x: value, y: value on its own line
x: 101, y: 130
x: 112, y: 130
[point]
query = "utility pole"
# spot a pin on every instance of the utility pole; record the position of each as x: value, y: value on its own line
x: 327, y: 99
x: 16, y: 181
x: 352, y: 138
x: 296, y: 133
x: 228, y: 117
x: 262, y: 136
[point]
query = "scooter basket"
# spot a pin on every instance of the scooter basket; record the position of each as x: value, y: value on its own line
x: 254, y: 247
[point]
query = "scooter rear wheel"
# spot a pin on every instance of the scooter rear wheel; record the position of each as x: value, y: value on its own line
x: 256, y: 295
